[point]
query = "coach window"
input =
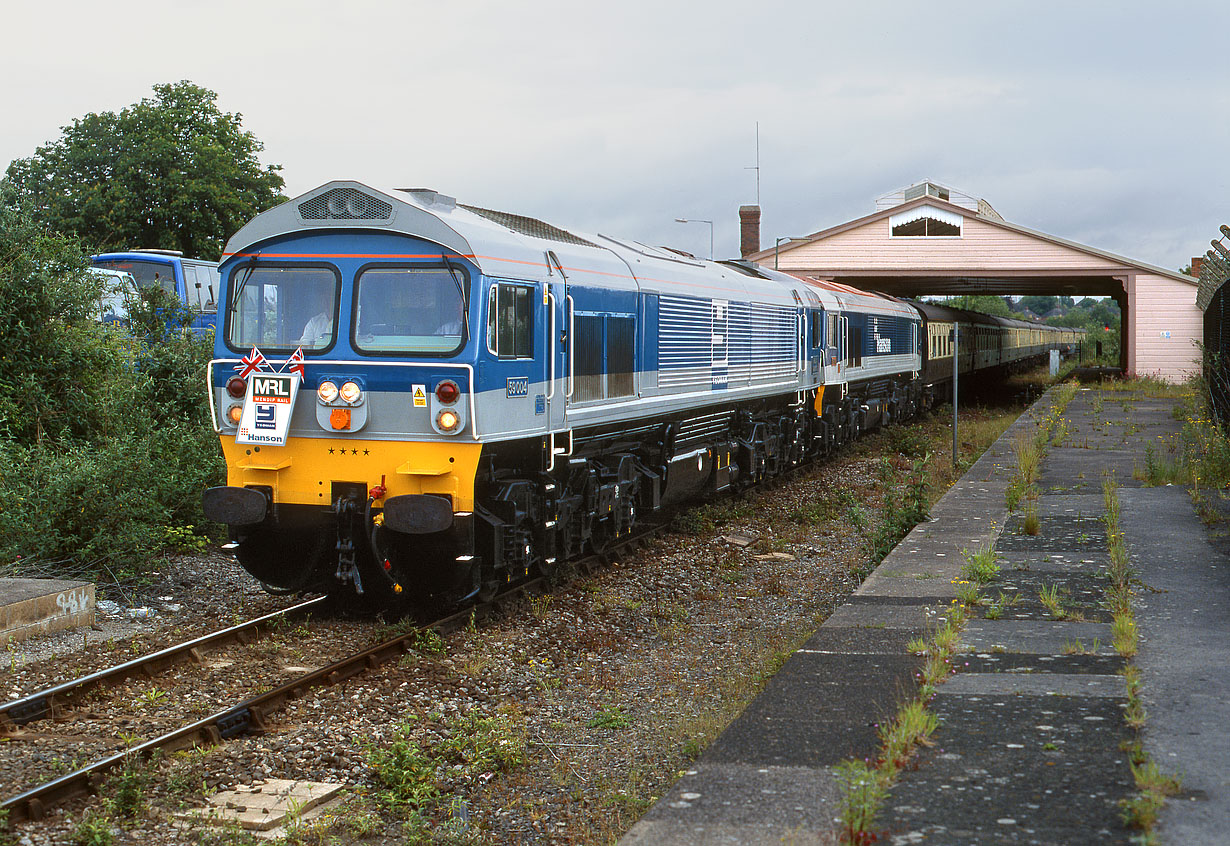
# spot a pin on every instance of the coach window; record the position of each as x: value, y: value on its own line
x: 510, y: 321
x: 817, y: 329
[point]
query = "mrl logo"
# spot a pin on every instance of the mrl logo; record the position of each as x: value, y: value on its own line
x: 518, y: 386
x: 271, y: 388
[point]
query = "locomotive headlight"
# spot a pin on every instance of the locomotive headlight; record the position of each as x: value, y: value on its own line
x: 327, y: 392
x: 234, y: 413
x: 448, y: 420
x: 351, y: 392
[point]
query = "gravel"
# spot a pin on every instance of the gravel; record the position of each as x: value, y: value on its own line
x: 614, y: 682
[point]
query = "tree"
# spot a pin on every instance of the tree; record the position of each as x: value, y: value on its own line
x: 1038, y: 304
x: 981, y: 303
x: 171, y: 172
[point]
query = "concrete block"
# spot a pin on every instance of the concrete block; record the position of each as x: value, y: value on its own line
x: 30, y: 607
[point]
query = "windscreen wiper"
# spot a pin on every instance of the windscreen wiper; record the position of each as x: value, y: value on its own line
x: 247, y: 274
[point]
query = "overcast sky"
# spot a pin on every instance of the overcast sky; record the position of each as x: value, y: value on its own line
x: 1103, y: 122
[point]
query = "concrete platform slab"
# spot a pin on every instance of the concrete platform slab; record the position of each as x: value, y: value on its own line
x: 1050, y: 684
x: 819, y: 709
x: 742, y: 805
x: 1037, y: 637
x: 1018, y: 770
x: 30, y: 607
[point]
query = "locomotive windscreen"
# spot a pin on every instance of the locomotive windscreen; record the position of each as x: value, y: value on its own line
x: 282, y: 308
x: 409, y: 310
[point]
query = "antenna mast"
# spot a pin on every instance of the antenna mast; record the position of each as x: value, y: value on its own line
x: 757, y: 166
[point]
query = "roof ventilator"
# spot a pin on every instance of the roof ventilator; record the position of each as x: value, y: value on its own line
x: 345, y: 204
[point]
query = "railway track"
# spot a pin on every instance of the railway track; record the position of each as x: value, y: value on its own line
x: 51, y: 702
x: 250, y: 715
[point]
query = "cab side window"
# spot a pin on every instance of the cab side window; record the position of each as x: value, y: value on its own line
x: 510, y: 321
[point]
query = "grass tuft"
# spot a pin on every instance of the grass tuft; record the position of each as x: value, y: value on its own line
x: 981, y: 565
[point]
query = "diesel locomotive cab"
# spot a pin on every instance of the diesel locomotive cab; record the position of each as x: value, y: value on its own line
x: 342, y: 392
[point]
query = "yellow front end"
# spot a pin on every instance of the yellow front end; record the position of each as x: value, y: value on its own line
x: 303, y: 471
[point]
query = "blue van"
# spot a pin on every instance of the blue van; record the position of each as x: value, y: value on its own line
x: 193, y: 281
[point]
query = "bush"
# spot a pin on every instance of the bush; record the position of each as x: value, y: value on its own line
x: 57, y: 366
x: 105, y: 440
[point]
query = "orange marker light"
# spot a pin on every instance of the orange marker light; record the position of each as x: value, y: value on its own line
x: 339, y: 418
x: 234, y: 413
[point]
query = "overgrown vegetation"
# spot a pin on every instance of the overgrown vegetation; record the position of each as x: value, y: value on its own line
x: 467, y: 747
x: 863, y: 785
x: 905, y: 506
x: 1152, y: 786
x: 105, y: 440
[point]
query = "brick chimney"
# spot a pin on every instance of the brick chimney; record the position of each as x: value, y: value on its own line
x: 1197, y: 263
x: 749, y: 230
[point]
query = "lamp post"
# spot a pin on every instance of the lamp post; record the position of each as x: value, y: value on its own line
x: 698, y: 220
x: 778, y: 242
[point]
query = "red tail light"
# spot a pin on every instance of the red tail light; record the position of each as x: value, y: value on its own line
x: 447, y: 392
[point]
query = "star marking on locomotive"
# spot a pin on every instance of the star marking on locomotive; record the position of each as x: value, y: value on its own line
x: 330, y: 450
x: 354, y: 452
x: 367, y: 452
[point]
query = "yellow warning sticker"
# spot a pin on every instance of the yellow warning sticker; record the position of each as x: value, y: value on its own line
x: 419, y: 392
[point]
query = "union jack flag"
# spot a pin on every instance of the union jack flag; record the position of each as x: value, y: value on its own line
x: 252, y: 362
x: 296, y: 362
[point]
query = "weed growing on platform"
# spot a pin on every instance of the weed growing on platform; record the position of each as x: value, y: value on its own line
x: 912, y: 728
x: 996, y: 609
x: 967, y: 594
x: 1031, y: 525
x: 981, y: 565
x: 1077, y: 647
x: 1152, y: 786
x: 1167, y: 467
x: 1124, y: 635
x: 862, y: 790
x: 1028, y: 458
x: 1053, y: 601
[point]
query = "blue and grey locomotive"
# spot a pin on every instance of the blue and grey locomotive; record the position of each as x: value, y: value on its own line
x: 420, y: 400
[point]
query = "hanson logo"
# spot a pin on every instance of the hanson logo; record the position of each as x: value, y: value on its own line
x: 518, y: 386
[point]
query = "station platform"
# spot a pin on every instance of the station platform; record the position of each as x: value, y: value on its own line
x: 30, y: 607
x: 1031, y: 747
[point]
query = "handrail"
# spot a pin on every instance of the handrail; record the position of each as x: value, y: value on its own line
x: 550, y: 347
x: 572, y: 345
